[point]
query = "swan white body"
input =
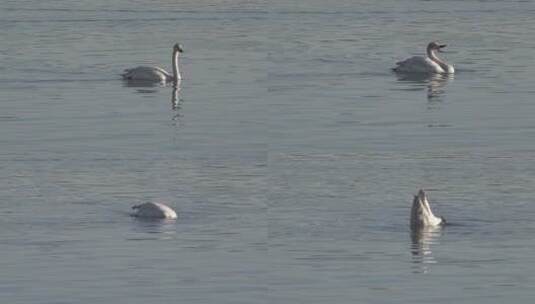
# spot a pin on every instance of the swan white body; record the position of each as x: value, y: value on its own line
x: 154, y: 211
x: 429, y: 64
x: 421, y: 214
x: 145, y: 73
x: 156, y: 74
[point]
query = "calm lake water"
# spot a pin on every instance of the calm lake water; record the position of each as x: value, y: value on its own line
x: 291, y: 152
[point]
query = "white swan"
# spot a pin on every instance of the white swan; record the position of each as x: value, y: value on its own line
x: 421, y: 214
x: 154, y: 211
x: 155, y: 74
x: 429, y: 64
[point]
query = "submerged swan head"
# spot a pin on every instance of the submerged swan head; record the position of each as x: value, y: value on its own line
x: 421, y: 214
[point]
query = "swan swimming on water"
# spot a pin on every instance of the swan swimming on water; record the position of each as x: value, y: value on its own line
x: 154, y: 211
x: 421, y: 214
x: 156, y: 74
x: 429, y: 64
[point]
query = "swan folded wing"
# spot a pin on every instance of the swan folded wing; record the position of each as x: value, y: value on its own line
x: 417, y: 64
x: 144, y: 73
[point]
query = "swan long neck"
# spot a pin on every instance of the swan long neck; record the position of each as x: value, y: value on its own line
x: 176, y: 71
x: 433, y: 56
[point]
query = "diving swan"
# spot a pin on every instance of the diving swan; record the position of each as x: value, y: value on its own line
x: 154, y: 211
x: 155, y: 74
x: 421, y: 214
x: 429, y: 64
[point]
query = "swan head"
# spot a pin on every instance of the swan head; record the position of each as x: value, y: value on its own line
x: 421, y: 214
x: 178, y: 48
x: 435, y: 46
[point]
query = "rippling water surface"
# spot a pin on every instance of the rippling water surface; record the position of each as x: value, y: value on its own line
x: 290, y: 152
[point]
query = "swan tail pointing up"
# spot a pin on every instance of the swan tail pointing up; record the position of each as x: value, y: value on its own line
x: 421, y: 214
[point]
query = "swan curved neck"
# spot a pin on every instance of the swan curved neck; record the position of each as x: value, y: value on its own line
x: 176, y: 71
x: 433, y: 56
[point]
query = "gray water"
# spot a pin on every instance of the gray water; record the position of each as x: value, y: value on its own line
x: 291, y: 152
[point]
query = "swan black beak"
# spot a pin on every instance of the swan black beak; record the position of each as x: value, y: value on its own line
x: 178, y: 47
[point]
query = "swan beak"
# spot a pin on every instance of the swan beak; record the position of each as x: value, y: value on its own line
x: 441, y: 46
x: 178, y: 47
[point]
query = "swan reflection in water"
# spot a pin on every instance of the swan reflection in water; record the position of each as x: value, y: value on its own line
x: 147, y: 229
x: 422, y: 241
x: 176, y: 106
x: 435, y: 83
x: 144, y: 87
